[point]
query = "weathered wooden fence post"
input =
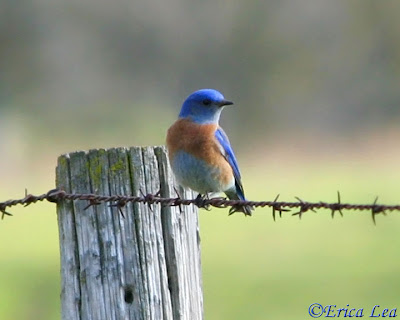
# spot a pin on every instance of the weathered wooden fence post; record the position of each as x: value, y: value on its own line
x: 145, y: 265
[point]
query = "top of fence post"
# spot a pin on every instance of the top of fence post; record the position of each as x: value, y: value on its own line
x: 141, y: 263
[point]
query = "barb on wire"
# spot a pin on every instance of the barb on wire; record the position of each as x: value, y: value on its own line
x: 376, y: 209
x: 277, y: 207
x: 304, y: 207
x: 336, y: 207
x: 120, y: 204
x: 120, y: 201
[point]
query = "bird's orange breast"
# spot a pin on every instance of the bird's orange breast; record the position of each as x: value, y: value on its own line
x: 198, y: 140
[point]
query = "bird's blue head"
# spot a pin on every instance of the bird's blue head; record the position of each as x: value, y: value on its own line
x: 204, y: 106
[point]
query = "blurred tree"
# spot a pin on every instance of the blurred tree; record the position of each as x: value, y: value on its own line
x: 316, y: 64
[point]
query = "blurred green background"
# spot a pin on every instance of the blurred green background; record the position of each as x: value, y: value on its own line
x: 316, y: 91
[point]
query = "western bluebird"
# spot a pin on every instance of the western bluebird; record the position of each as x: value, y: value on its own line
x: 199, y: 151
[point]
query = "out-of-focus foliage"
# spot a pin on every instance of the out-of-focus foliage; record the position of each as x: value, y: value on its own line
x: 331, y: 62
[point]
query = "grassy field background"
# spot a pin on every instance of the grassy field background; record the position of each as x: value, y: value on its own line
x: 253, y: 268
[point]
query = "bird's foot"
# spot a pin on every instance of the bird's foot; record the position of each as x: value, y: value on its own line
x: 200, y: 201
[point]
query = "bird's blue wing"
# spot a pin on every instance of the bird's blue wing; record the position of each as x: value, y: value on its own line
x: 230, y: 157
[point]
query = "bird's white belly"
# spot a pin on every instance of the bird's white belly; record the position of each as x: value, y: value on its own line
x: 197, y: 175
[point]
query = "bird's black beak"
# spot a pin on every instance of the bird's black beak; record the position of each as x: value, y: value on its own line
x: 225, y: 103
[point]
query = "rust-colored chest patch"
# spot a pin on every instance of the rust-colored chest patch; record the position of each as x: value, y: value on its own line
x: 199, y: 141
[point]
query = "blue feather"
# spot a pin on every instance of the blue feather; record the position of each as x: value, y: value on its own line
x: 230, y: 157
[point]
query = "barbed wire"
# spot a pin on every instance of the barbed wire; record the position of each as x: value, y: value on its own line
x: 119, y: 201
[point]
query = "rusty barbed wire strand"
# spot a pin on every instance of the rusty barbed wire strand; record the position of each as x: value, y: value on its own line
x: 119, y: 201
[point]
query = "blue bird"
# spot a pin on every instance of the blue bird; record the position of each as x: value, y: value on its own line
x: 199, y: 151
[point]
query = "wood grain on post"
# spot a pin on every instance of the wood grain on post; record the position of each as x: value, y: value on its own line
x: 143, y: 265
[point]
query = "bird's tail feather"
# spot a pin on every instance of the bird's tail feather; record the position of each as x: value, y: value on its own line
x: 246, y: 209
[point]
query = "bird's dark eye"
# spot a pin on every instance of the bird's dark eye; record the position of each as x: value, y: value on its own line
x: 206, y: 102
